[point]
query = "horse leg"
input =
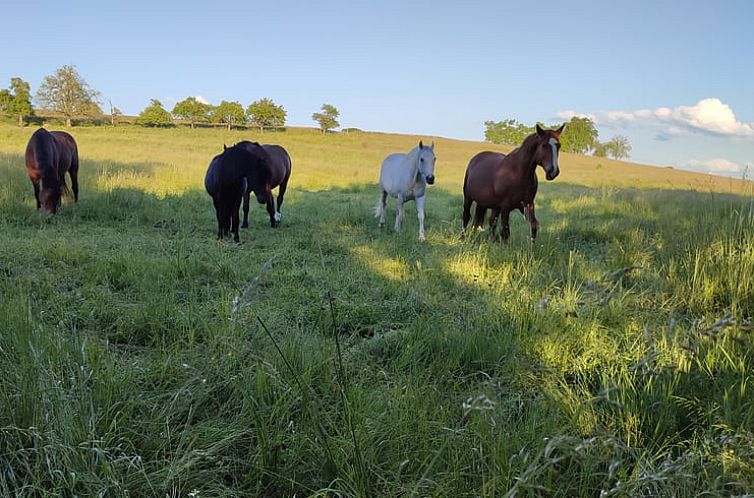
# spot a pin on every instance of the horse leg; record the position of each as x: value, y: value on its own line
x: 281, y: 194
x: 381, y: 205
x: 399, y: 213
x: 506, y: 230
x: 529, y: 213
x: 467, y: 202
x: 219, y: 215
x: 493, y: 222
x: 271, y: 210
x: 479, y: 214
x: 73, y: 172
x: 234, y: 219
x: 36, y: 192
x: 420, y: 214
x: 246, y: 194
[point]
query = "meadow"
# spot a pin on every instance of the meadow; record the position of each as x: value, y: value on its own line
x: 140, y: 356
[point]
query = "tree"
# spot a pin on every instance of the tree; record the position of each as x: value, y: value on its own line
x: 66, y: 92
x: 600, y: 149
x: 328, y: 118
x: 618, y: 147
x: 229, y: 113
x: 265, y: 112
x: 509, y: 132
x: 579, y: 136
x: 192, y: 110
x: 16, y: 101
x: 154, y: 115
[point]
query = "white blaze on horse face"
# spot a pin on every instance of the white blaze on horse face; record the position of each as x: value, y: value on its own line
x: 554, y: 147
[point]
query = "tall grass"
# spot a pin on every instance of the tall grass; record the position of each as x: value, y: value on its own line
x: 614, y: 357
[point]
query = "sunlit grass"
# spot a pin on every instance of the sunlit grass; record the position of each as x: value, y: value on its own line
x: 613, y: 356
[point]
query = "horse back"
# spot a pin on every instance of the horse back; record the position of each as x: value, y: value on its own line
x: 41, y: 154
x: 68, y: 153
x: 279, y: 164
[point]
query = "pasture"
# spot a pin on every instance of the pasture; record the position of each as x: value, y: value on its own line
x: 140, y: 356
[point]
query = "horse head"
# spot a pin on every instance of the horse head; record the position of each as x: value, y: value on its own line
x: 546, y: 154
x: 49, y: 199
x: 427, y: 162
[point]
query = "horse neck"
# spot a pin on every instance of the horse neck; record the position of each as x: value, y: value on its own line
x: 523, y: 157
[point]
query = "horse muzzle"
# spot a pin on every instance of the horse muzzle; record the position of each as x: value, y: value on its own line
x: 430, y: 179
x: 552, y: 174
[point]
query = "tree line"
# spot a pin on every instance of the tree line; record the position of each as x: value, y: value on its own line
x: 67, y: 93
x: 580, y: 136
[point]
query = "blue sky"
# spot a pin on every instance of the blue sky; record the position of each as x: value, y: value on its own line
x: 676, y: 78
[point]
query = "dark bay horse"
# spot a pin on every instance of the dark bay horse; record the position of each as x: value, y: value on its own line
x: 263, y: 181
x: 49, y: 155
x: 504, y: 183
x: 226, y: 182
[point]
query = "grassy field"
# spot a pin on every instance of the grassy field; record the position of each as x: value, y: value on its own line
x: 139, y: 356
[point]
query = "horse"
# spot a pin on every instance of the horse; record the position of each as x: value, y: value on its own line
x: 227, y: 178
x: 504, y: 183
x: 405, y: 177
x: 277, y: 174
x: 49, y: 155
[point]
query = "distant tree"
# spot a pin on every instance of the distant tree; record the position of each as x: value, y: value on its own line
x: 66, y: 92
x: 600, y: 149
x: 16, y: 101
x: 618, y: 147
x: 328, y: 118
x: 579, y: 136
x: 509, y: 132
x: 229, y: 113
x: 154, y: 115
x: 192, y: 110
x: 265, y: 113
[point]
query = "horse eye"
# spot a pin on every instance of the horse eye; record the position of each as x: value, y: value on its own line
x: 421, y: 159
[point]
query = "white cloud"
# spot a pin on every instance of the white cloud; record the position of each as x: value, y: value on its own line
x: 714, y: 166
x: 201, y: 99
x: 708, y: 115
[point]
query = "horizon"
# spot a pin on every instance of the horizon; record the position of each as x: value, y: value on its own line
x: 671, y: 80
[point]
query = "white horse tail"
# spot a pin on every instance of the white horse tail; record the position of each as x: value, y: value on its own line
x: 378, y: 207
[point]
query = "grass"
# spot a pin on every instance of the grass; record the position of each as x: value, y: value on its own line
x: 612, y: 358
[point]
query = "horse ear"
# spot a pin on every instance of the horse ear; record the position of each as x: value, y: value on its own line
x: 540, y: 131
x: 560, y: 130
x: 225, y: 147
x: 421, y: 145
x: 433, y: 145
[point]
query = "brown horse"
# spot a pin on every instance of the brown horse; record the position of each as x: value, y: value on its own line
x: 504, y: 183
x: 277, y: 173
x: 49, y: 155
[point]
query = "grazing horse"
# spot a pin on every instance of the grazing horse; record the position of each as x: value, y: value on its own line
x: 226, y: 182
x: 277, y: 174
x: 504, y: 183
x: 49, y: 155
x: 405, y: 177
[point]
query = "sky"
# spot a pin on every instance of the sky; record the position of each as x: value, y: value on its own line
x: 675, y: 78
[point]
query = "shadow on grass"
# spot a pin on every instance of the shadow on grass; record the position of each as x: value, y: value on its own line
x: 454, y: 367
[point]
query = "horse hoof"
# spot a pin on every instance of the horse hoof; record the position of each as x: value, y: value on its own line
x: 245, y: 225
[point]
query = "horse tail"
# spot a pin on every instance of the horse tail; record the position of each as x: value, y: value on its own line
x: 380, y: 200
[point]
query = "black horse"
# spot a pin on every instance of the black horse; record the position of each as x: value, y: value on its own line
x: 49, y: 155
x: 226, y: 182
x: 277, y: 175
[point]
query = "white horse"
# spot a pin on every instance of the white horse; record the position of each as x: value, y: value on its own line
x: 405, y: 177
